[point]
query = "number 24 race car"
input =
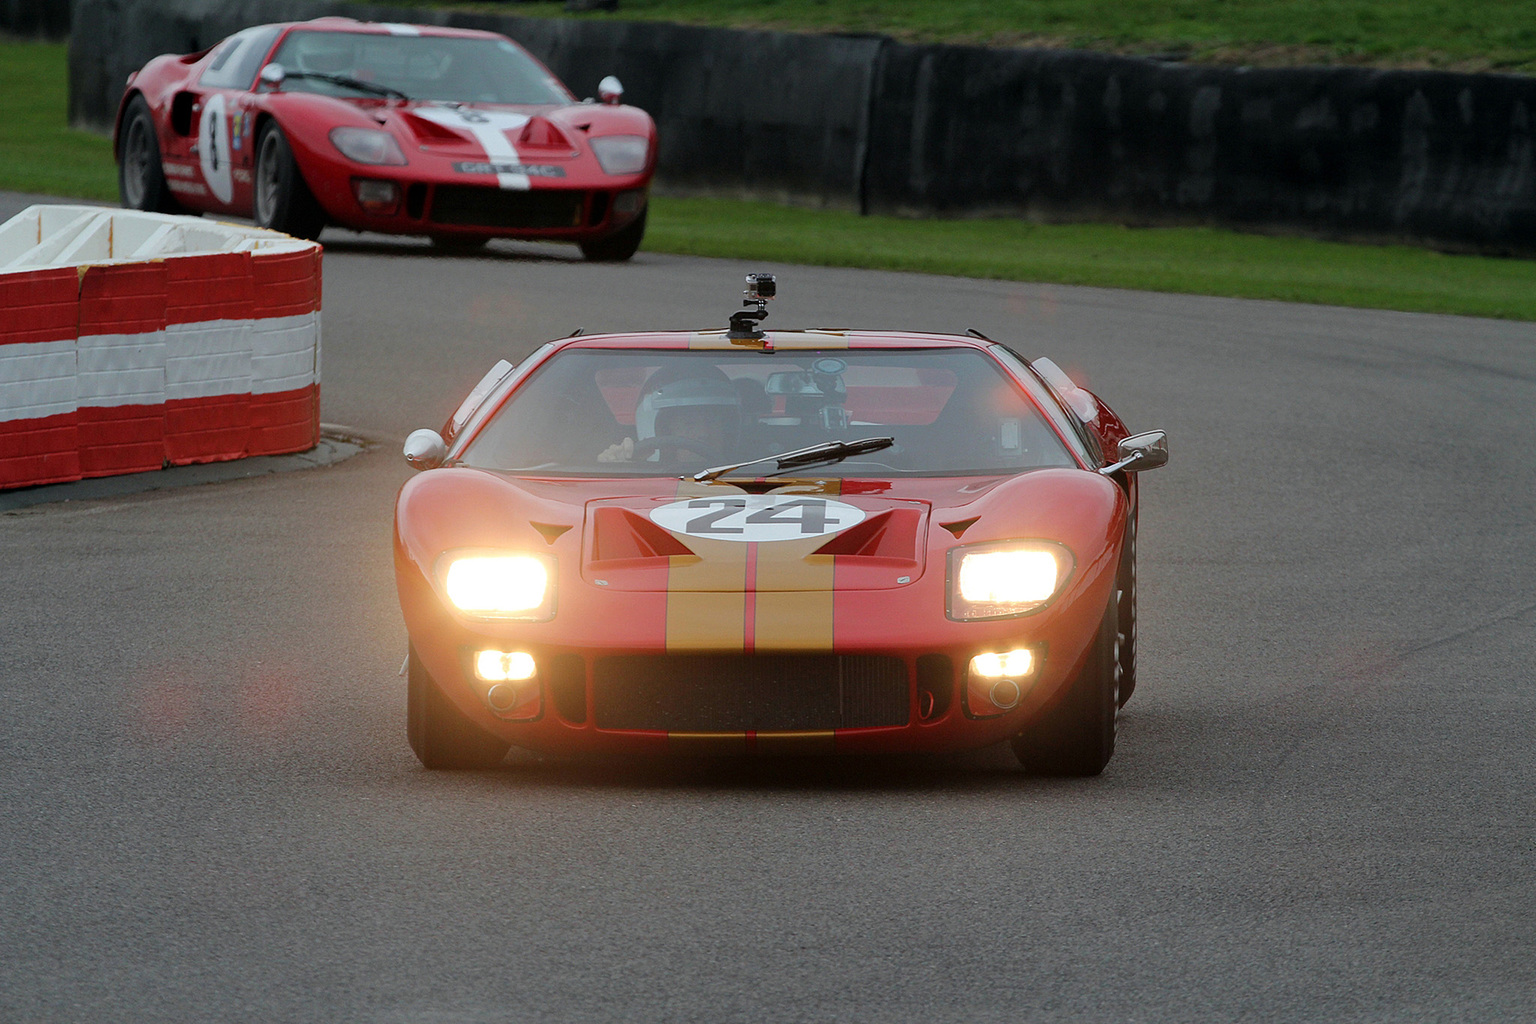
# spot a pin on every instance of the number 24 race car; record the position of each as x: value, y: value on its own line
x: 454, y: 134
x: 780, y: 542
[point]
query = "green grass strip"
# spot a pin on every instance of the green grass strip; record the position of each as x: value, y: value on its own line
x: 1473, y: 35
x: 1203, y: 261
x: 38, y: 154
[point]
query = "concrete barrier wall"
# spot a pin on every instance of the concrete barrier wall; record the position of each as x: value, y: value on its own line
x: 866, y: 123
x: 48, y: 19
x: 132, y: 341
x: 1350, y: 151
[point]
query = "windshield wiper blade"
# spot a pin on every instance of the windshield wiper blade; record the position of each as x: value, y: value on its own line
x: 350, y: 83
x: 803, y: 458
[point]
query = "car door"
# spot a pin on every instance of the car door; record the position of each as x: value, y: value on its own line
x: 220, y: 126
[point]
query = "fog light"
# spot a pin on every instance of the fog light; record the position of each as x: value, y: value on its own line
x: 999, y: 681
x: 504, y: 666
x: 376, y: 196
x: 1009, y: 665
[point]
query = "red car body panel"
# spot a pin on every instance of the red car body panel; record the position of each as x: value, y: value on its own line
x: 879, y: 587
x: 553, y: 137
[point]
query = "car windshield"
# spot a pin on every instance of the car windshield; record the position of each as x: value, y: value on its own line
x: 611, y: 412
x: 457, y: 68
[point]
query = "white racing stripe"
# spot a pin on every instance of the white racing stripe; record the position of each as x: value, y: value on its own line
x: 490, y: 128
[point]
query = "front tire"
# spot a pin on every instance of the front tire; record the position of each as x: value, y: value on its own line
x: 1077, y: 736
x: 1125, y: 581
x: 619, y: 246
x: 141, y: 183
x: 283, y: 201
x: 439, y: 733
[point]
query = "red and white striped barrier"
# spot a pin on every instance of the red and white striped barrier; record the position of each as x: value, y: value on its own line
x: 130, y: 341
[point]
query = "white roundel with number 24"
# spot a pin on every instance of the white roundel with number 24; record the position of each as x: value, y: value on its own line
x: 757, y: 517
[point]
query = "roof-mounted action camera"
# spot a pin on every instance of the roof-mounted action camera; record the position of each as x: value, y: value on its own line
x: 760, y: 288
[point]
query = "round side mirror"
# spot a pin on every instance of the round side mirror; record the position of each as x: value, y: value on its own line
x: 425, y: 449
x: 273, y: 74
x: 610, y: 90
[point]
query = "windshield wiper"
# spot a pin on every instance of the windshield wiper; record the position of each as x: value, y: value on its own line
x: 350, y: 83
x: 803, y: 458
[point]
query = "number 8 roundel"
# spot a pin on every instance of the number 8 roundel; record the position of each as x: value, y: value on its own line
x: 757, y: 517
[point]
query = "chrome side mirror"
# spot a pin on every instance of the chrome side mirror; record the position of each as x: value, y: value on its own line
x: 273, y: 74
x: 1141, y: 452
x: 425, y: 449
x: 609, y: 90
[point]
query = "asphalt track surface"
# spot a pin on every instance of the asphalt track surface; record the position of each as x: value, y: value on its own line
x: 1321, y: 808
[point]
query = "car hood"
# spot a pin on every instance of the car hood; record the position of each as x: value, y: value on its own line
x: 472, y: 132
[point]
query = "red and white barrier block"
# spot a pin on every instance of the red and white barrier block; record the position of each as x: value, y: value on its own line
x: 130, y: 341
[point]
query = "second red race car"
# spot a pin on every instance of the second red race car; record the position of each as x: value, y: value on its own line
x: 742, y: 540
x: 454, y: 134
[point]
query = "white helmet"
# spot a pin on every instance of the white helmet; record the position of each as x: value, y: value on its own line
x: 651, y: 414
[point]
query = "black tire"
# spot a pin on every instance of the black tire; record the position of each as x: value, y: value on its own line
x: 282, y: 200
x: 439, y: 733
x: 141, y: 181
x: 619, y: 246
x: 1077, y: 736
x: 1125, y: 581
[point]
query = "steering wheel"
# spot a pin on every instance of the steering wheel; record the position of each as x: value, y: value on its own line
x: 676, y: 445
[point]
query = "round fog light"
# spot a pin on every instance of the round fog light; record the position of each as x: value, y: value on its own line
x: 1005, y: 694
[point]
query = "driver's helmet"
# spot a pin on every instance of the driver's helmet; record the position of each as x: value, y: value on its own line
x: 330, y: 54
x: 661, y: 401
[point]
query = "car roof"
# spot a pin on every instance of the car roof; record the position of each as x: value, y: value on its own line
x: 822, y: 338
x: 337, y: 23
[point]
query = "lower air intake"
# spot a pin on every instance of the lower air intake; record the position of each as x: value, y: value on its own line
x: 473, y: 206
x: 749, y: 692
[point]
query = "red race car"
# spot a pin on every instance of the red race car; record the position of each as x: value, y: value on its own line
x: 407, y: 129
x: 743, y: 540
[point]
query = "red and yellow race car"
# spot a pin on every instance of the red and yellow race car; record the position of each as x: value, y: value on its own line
x: 787, y: 542
x: 454, y: 134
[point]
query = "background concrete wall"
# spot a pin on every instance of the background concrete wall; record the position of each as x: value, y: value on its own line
x: 46, y: 18
x: 863, y: 122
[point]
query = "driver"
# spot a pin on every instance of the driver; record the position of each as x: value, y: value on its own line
x: 692, y: 418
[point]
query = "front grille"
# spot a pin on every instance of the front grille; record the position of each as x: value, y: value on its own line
x: 474, y: 206
x: 749, y: 692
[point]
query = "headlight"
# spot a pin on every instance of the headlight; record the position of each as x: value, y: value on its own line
x: 621, y: 154
x: 995, y: 581
x: 500, y: 586
x: 367, y: 146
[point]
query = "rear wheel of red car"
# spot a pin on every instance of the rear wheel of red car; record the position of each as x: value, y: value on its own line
x: 620, y: 245
x: 439, y: 733
x: 1077, y: 736
x: 141, y: 181
x: 283, y: 201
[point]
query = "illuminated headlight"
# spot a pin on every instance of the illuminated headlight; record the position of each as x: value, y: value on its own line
x: 504, y: 666
x: 499, y: 586
x: 621, y: 154
x: 995, y: 581
x: 1011, y: 664
x: 367, y: 146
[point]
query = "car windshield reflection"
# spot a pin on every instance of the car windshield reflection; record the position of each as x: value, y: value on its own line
x: 611, y: 412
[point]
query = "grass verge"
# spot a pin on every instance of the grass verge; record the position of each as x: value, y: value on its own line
x: 38, y: 151
x: 39, y: 154
x: 1474, y: 36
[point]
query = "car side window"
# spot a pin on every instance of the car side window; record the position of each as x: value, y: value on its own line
x: 237, y: 61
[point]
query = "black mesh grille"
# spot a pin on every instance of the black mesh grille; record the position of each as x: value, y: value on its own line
x: 738, y: 693
x: 473, y: 206
x: 568, y: 686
